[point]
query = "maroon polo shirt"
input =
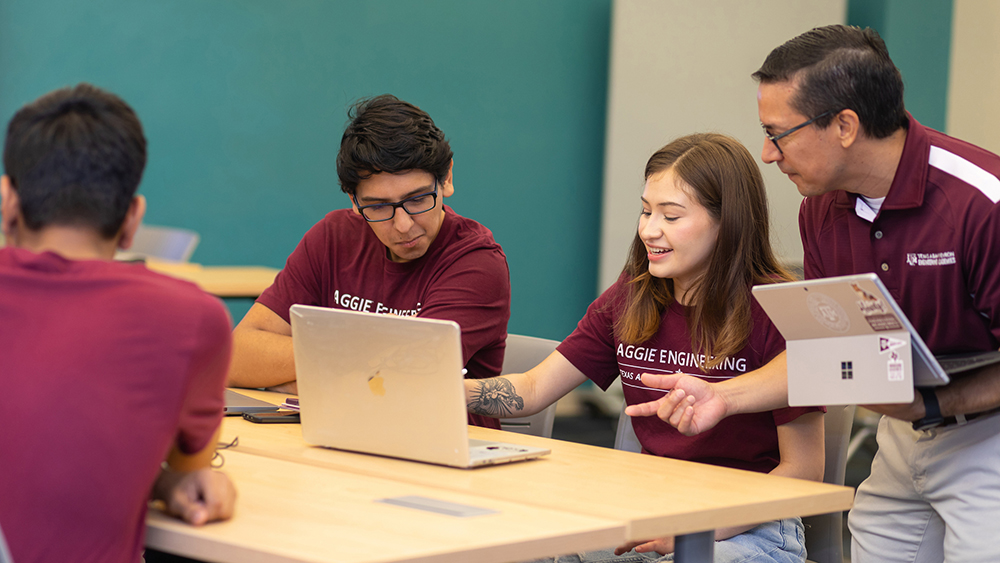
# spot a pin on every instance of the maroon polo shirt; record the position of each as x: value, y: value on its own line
x: 935, y: 242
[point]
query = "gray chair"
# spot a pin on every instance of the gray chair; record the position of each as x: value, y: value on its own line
x: 625, y: 438
x: 524, y: 353
x: 162, y: 243
x: 824, y: 532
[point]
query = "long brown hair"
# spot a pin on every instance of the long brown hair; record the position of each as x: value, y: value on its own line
x: 725, y: 180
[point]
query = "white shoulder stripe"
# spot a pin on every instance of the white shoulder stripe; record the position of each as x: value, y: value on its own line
x: 966, y: 171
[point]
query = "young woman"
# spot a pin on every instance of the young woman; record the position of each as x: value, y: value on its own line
x: 683, y: 304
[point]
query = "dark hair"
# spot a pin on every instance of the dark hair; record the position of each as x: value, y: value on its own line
x: 841, y: 67
x: 75, y: 156
x: 724, y: 178
x: 386, y: 134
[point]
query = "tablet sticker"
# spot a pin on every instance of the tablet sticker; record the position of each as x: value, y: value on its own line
x: 876, y: 311
x: 885, y: 344
x: 895, y: 366
x: 828, y: 312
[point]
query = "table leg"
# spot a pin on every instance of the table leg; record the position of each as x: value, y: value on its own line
x: 695, y: 548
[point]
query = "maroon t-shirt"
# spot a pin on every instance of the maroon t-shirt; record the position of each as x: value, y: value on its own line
x: 463, y: 277
x: 104, y: 366
x: 935, y: 242
x: 745, y: 441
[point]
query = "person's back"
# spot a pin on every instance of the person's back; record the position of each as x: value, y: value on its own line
x: 107, y: 367
x: 98, y: 359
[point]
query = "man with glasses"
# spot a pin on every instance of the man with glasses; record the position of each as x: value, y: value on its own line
x: 398, y: 250
x: 885, y: 194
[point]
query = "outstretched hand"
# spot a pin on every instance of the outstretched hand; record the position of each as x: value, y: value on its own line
x: 197, y: 497
x: 692, y: 406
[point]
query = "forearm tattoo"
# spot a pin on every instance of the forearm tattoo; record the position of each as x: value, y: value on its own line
x: 495, y: 397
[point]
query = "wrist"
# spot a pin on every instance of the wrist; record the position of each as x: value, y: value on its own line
x: 729, y: 397
x: 932, y: 410
x: 165, y: 481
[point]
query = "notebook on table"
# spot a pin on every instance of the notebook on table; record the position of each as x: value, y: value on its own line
x: 238, y: 403
x: 388, y: 385
x: 848, y: 342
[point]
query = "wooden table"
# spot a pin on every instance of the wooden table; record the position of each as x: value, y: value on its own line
x: 293, y: 512
x: 221, y: 281
x: 652, y: 496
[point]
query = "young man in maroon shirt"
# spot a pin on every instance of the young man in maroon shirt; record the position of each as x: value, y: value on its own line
x: 397, y: 250
x: 113, y: 374
x: 885, y: 194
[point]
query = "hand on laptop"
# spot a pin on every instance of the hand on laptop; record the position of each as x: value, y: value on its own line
x: 692, y: 406
x: 197, y: 497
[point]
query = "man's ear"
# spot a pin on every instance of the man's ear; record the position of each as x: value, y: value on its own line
x: 354, y: 203
x: 848, y: 127
x: 10, y: 209
x: 447, y: 186
x: 133, y: 218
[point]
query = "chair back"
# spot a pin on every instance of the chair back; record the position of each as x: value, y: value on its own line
x: 625, y: 438
x: 163, y: 243
x: 524, y: 353
x: 825, y: 532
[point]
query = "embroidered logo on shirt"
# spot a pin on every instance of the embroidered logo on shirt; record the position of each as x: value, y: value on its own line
x: 935, y: 259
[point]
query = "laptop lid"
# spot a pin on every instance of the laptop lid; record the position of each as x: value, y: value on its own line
x: 4, y: 550
x: 386, y: 385
x: 848, y: 342
x: 238, y: 403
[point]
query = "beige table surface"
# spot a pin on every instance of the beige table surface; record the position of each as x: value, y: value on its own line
x: 654, y: 496
x: 221, y: 281
x: 294, y: 512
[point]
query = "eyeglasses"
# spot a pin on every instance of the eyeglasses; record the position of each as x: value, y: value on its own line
x: 378, y: 212
x: 774, y: 138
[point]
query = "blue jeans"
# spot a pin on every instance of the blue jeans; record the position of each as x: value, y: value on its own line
x: 781, y: 541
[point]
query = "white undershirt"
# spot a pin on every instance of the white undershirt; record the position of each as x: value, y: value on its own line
x: 867, y: 208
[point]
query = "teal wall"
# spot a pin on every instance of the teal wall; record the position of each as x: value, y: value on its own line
x: 918, y: 35
x: 244, y: 103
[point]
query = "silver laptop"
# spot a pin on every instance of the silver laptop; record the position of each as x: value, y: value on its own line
x: 848, y: 342
x: 238, y: 403
x: 388, y: 385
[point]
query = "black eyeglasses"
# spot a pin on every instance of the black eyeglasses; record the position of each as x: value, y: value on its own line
x: 378, y: 212
x: 774, y: 138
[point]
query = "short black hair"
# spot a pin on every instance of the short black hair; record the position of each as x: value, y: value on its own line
x: 841, y: 67
x: 386, y: 134
x: 75, y: 157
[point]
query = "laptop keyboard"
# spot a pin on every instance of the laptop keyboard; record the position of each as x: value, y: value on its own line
x: 965, y: 362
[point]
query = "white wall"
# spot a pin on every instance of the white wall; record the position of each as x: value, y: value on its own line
x: 974, y: 73
x: 680, y: 67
